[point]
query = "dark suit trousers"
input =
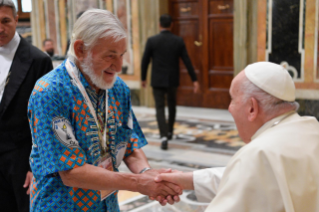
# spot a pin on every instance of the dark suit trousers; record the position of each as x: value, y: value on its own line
x: 13, y: 196
x: 160, y: 94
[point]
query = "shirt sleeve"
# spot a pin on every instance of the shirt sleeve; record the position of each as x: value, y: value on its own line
x: 206, y: 182
x: 146, y: 59
x: 137, y: 139
x: 187, y: 61
x: 55, y: 147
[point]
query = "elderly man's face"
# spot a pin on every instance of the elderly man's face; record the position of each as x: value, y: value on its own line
x: 238, y: 108
x: 8, y: 25
x: 104, y: 61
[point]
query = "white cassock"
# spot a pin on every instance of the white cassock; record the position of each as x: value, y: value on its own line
x: 277, y: 171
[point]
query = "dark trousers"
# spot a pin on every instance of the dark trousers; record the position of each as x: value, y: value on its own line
x: 14, y: 166
x: 160, y: 94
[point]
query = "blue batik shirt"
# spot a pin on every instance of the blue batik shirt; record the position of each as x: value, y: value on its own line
x: 65, y: 136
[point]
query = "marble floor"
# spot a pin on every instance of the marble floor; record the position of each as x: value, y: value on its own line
x: 189, y: 150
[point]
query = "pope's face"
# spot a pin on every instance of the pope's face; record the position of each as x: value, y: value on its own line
x: 107, y: 58
x: 8, y: 25
x: 238, y: 108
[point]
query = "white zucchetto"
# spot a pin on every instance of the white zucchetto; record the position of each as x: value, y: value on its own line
x: 273, y: 79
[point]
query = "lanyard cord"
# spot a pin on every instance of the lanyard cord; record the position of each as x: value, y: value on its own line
x: 72, y: 70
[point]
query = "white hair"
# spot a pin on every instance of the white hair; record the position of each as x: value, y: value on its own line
x: 267, y: 102
x: 93, y: 25
x: 9, y: 3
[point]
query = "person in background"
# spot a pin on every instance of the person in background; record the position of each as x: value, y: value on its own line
x: 48, y: 47
x: 21, y: 65
x: 278, y: 168
x: 165, y: 50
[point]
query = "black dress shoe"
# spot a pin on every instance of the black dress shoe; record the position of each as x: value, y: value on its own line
x: 164, y: 144
x: 169, y: 136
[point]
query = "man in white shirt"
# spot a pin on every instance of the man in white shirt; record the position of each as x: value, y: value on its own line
x: 9, y: 41
x: 21, y: 66
x: 278, y: 168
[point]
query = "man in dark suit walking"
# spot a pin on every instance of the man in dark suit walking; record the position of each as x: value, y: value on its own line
x: 165, y: 49
x: 21, y: 65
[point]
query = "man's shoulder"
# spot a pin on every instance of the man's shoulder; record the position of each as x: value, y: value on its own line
x: 289, y: 129
x: 277, y: 139
x: 257, y: 148
x: 38, y: 54
x: 250, y: 157
x: 35, y: 53
x: 153, y: 38
x: 56, y: 81
x: 120, y: 85
x: 177, y: 37
x: 169, y: 34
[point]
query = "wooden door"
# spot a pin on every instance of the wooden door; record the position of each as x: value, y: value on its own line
x: 207, y: 29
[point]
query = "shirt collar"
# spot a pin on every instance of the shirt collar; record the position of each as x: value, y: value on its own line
x: 271, y: 123
x: 165, y: 31
x: 12, y: 45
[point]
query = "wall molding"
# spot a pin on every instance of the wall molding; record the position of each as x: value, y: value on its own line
x: 315, y: 66
x: 307, y: 94
x: 301, y: 48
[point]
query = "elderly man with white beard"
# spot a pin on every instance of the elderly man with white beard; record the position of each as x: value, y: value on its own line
x: 83, y: 126
x: 278, y: 168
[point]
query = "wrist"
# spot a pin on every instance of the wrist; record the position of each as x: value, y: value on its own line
x: 144, y: 170
x: 134, y: 180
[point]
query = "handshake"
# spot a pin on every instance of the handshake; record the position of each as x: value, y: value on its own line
x: 164, y: 185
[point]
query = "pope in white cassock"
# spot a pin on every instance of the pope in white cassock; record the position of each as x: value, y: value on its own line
x: 278, y: 169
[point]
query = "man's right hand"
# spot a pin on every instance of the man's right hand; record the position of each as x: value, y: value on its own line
x: 28, y: 181
x: 196, y: 87
x: 147, y: 185
x: 144, y: 84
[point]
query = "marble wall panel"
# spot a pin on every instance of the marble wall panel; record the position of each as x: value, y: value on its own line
x: 62, y: 26
x: 285, y: 40
x: 310, y: 85
x: 122, y: 9
x: 307, y: 86
x: 82, y: 5
x: 316, y: 46
x: 310, y: 41
x: 262, y: 31
x: 51, y: 32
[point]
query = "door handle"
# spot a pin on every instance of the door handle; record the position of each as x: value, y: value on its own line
x: 198, y: 43
x: 223, y: 7
x: 185, y: 9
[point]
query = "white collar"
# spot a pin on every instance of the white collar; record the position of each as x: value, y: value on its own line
x: 271, y: 123
x: 11, y: 46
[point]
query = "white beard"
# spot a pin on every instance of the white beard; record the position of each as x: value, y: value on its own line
x: 97, y: 80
